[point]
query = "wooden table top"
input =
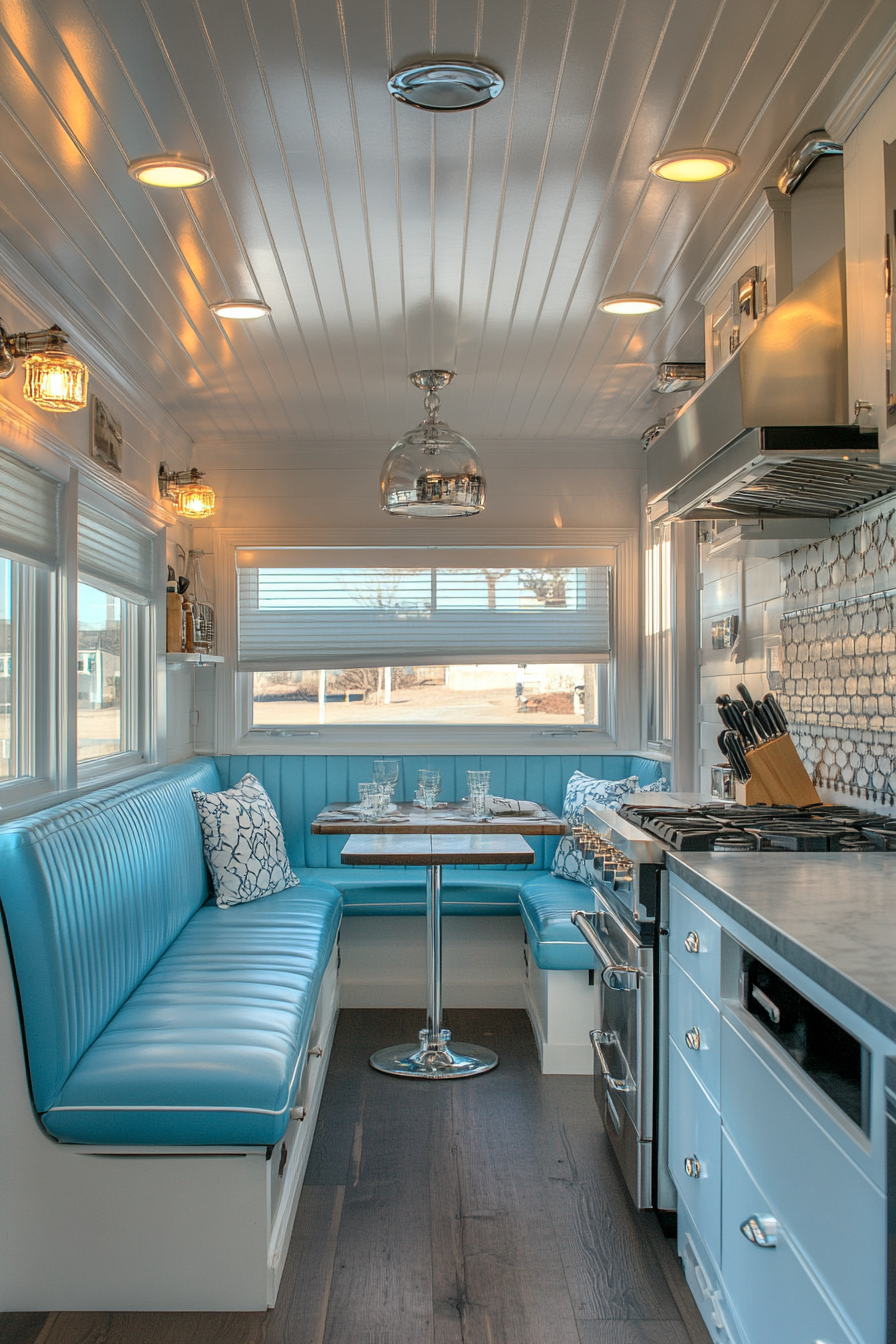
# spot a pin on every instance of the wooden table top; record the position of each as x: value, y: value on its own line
x: 448, y: 820
x: 414, y: 850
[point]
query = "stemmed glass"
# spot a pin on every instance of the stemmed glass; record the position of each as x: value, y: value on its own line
x: 429, y: 786
x: 385, y: 772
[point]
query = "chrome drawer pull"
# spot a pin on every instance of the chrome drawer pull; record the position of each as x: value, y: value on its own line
x: 761, y: 1231
x: 599, y: 1038
x: 692, y: 1038
x: 692, y: 1166
x: 692, y: 941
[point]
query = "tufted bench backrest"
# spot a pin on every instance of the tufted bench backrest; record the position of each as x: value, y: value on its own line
x: 93, y: 891
x: 300, y: 786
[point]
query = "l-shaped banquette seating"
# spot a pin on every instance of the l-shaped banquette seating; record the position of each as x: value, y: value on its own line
x: 157, y: 1025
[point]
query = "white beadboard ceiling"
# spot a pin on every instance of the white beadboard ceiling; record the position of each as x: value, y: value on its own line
x: 387, y: 239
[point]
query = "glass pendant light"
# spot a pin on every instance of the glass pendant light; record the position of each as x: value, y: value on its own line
x: 432, y: 471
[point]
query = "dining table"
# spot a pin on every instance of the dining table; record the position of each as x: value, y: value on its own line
x: 410, y: 836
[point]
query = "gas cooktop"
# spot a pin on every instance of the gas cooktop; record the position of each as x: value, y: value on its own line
x: 730, y: 828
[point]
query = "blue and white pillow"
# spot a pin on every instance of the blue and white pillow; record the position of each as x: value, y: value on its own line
x: 242, y: 840
x: 582, y: 790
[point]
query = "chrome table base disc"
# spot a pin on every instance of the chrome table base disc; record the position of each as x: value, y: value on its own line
x: 434, y: 1058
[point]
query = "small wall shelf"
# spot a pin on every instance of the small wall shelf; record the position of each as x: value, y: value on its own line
x: 198, y: 658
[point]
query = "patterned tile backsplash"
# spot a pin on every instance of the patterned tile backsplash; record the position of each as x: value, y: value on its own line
x: 838, y: 657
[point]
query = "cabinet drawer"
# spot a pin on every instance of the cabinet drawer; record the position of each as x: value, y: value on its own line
x: 694, y: 941
x: 769, y: 1288
x: 832, y: 1211
x: 694, y: 1149
x: 694, y: 1025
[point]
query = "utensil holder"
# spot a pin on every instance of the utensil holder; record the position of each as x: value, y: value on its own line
x: 778, y: 776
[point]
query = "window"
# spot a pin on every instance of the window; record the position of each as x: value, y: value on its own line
x: 114, y: 669
x: 658, y: 634
x: 505, y: 643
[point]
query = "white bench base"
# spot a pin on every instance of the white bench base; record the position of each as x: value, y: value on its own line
x: 97, y: 1229
x: 563, y: 1010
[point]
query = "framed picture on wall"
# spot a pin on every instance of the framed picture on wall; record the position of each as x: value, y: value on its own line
x: 105, y: 435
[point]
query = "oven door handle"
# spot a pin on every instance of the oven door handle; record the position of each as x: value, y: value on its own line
x: 599, y: 1038
x: 582, y: 920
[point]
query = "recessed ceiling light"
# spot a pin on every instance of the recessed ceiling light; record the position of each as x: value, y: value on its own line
x: 621, y: 304
x: 694, y: 165
x: 445, y: 86
x: 170, y: 170
x: 243, y: 310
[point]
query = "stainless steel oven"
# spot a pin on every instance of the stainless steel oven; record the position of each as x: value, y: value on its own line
x: 624, y: 1044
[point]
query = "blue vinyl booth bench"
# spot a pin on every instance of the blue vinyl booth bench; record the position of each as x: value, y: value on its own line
x: 163, y: 1059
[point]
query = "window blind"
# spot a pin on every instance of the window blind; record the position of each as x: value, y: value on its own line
x: 298, y: 619
x: 116, y: 557
x: 29, y: 514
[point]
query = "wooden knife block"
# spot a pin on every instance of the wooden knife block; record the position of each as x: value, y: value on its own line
x: 778, y: 776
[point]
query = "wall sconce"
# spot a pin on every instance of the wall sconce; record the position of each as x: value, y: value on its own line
x: 183, y: 489
x: 54, y: 380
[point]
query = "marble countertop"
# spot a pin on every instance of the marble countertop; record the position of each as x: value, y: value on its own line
x: 831, y: 915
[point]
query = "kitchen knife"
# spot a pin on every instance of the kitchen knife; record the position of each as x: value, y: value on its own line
x: 776, y: 713
x: 766, y: 721
x: 745, y: 695
x: 730, y: 717
x: 735, y: 752
x: 751, y: 724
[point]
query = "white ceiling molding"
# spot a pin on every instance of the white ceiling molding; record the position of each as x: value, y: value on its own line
x: 24, y: 287
x: 873, y: 78
x: 419, y: 536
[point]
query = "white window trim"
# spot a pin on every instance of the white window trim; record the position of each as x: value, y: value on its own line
x: 622, y: 735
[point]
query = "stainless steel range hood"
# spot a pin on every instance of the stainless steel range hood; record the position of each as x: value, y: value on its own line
x: 769, y: 435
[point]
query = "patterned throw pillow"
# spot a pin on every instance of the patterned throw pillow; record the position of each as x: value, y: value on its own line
x: 569, y: 861
x: 243, y: 843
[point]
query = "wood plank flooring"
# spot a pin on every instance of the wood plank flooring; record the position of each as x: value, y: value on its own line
x: 483, y: 1211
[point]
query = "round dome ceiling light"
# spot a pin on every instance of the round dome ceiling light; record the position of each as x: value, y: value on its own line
x: 694, y: 165
x: 241, y: 310
x: 170, y: 170
x: 621, y: 305
x: 445, y: 86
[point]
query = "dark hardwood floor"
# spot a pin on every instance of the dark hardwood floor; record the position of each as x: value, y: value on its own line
x: 483, y: 1211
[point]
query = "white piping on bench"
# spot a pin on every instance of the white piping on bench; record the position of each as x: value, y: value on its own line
x: 239, y: 1110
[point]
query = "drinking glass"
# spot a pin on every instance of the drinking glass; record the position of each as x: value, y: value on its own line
x: 477, y: 788
x: 373, y: 800
x: 385, y: 772
x: 430, y: 786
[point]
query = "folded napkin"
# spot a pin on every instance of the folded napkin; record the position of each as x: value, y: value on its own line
x: 512, y: 807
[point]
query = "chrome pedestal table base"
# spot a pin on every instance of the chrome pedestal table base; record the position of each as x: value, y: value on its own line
x: 433, y: 1057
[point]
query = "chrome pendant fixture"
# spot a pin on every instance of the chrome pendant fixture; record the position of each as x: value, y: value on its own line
x: 432, y: 472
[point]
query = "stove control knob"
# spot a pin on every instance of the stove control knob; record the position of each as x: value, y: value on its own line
x: 692, y: 941
x: 692, y: 1166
